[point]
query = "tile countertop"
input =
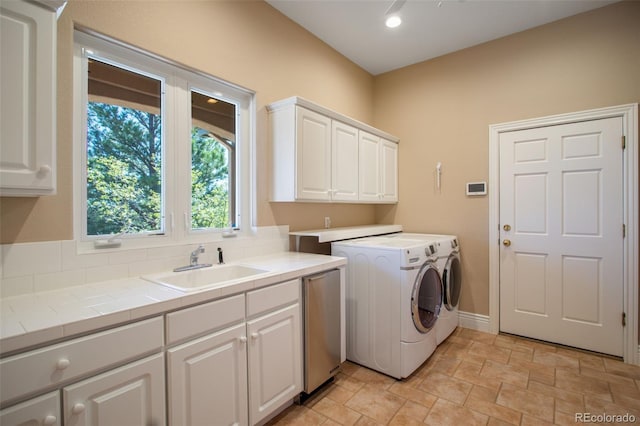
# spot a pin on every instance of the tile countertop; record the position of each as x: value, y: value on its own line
x: 39, y: 318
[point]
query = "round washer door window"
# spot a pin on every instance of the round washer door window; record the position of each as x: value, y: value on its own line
x: 452, y: 281
x: 426, y: 298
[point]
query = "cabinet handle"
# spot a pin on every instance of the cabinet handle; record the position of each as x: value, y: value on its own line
x: 242, y: 339
x: 44, y: 170
x: 50, y: 420
x: 78, y: 408
x: 62, y: 364
x: 254, y: 336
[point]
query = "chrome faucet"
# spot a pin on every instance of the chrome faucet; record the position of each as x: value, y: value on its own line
x: 193, y: 261
x: 193, y: 258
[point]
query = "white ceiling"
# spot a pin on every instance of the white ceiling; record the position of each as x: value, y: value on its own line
x: 430, y: 28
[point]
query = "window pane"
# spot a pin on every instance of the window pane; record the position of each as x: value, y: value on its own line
x: 213, y: 153
x: 124, y: 151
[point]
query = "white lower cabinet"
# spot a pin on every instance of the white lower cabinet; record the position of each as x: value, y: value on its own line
x: 232, y: 361
x: 131, y: 395
x: 41, y: 411
x: 207, y: 380
x: 242, y: 374
x: 275, y: 361
x: 55, y: 365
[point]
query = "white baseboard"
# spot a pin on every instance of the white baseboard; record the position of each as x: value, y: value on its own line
x: 473, y: 321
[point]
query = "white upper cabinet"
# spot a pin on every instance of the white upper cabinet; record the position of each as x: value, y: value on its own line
x: 369, y: 167
x: 313, y: 156
x: 388, y: 171
x: 344, y: 155
x: 318, y: 155
x: 27, y: 99
x: 378, y: 169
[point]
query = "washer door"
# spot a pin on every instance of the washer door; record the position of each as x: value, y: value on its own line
x: 426, y: 298
x: 452, y: 281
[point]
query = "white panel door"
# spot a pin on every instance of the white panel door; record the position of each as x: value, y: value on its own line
x: 369, y: 167
x: 27, y: 78
x: 388, y: 171
x: 561, y: 218
x: 313, y: 151
x: 132, y: 395
x: 275, y: 361
x: 207, y: 379
x: 344, y: 153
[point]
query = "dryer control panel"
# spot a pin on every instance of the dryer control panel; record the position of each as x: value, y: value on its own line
x: 417, y: 255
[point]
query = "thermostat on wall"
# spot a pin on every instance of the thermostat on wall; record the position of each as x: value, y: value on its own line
x: 476, y: 188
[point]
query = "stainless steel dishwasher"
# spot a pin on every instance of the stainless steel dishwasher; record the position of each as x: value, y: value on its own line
x: 322, y: 326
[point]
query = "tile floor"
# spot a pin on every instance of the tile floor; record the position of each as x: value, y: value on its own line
x: 476, y: 378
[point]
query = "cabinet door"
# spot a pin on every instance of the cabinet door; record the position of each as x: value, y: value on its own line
x: 344, y: 155
x: 275, y: 361
x: 313, y: 155
x: 41, y: 411
x: 131, y: 395
x: 207, y: 380
x: 388, y: 171
x: 27, y: 78
x: 369, y: 167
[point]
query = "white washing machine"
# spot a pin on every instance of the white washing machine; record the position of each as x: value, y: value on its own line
x: 448, y: 254
x: 393, y: 298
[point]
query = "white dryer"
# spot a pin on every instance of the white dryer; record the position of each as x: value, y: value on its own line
x: 448, y: 254
x: 393, y: 299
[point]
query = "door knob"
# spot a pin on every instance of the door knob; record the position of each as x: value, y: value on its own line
x: 507, y: 227
x: 506, y: 243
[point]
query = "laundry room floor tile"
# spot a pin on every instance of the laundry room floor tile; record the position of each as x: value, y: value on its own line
x: 476, y: 378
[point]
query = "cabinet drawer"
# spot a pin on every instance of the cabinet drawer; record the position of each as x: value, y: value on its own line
x: 42, y: 368
x: 208, y: 317
x: 43, y: 410
x: 271, y: 297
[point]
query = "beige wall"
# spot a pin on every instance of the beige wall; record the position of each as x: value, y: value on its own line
x: 245, y: 42
x: 441, y: 110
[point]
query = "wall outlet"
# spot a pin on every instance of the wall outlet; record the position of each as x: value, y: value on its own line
x: 327, y: 222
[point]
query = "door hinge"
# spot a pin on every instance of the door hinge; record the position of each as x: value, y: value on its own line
x: 624, y: 319
x: 624, y: 231
x: 624, y: 142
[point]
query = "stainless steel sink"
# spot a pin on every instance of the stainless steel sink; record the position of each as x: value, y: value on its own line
x: 211, y: 277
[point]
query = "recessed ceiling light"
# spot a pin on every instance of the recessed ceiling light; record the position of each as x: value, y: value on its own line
x: 393, y: 21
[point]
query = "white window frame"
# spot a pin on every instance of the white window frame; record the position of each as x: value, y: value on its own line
x: 176, y: 121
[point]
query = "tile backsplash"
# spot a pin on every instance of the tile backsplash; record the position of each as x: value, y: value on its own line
x: 36, y: 267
